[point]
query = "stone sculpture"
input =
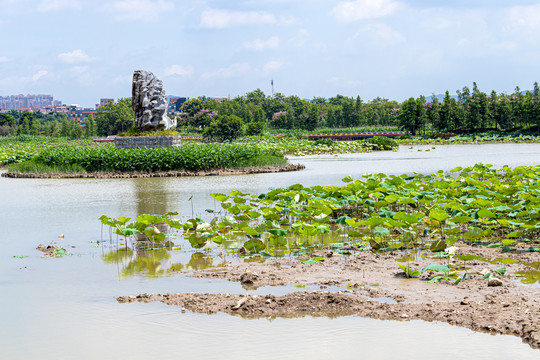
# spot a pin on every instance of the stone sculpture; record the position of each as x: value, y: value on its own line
x: 149, y: 102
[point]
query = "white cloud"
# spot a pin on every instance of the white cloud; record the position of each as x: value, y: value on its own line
x: 76, y: 56
x: 39, y: 75
x: 179, y: 70
x: 234, y: 70
x: 349, y: 11
x: 77, y: 70
x: 3, y: 59
x: 272, y: 66
x: 260, y: 45
x: 522, y: 22
x: 384, y: 33
x: 139, y: 10
x: 221, y: 19
x: 52, y: 5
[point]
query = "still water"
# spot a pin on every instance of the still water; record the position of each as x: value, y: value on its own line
x: 63, y: 308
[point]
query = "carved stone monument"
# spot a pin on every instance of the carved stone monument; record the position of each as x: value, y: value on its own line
x: 149, y: 102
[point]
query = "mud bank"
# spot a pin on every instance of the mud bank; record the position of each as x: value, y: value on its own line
x: 374, y: 286
x: 108, y: 175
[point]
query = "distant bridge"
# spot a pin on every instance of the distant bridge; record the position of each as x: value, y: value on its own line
x: 354, y: 136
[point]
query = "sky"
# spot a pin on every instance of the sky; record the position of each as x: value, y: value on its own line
x: 82, y: 50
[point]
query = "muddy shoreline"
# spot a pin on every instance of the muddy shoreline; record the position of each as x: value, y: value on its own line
x: 372, y: 285
x: 130, y: 175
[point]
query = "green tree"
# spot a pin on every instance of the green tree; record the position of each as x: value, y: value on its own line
x: 434, y: 112
x: 312, y: 118
x: 192, y: 107
x: 7, y: 119
x: 51, y: 128
x: 66, y: 127
x: 35, y: 126
x: 255, y: 128
x: 258, y: 114
x: 407, y: 116
x: 225, y: 127
x: 448, y: 113
x: 535, y: 106
x: 359, y: 110
x: 114, y: 118
x: 333, y: 117
x: 504, y: 113
x: 90, y: 130
x: 421, y: 114
x: 256, y: 97
x: 25, y: 122
x: 348, y: 112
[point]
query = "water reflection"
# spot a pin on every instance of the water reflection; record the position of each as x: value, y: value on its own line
x: 152, y: 195
x: 159, y: 262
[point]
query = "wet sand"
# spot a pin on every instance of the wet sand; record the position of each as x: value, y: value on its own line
x: 375, y: 287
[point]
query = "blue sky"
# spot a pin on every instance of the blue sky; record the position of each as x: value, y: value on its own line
x: 81, y: 51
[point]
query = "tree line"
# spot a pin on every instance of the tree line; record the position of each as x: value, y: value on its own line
x: 110, y: 119
x: 37, y: 123
x: 471, y: 110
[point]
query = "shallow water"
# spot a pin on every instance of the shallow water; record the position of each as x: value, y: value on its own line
x: 65, y: 307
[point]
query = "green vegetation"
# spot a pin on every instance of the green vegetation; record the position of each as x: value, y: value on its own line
x: 470, y: 111
x: 36, y: 167
x: 478, y: 205
x: 300, y: 146
x: 224, y: 128
x: 115, y: 118
x: 189, y: 157
x: 19, y: 148
x: 382, y: 143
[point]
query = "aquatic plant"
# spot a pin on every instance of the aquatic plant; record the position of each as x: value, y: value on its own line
x: 497, y: 208
x: 188, y: 157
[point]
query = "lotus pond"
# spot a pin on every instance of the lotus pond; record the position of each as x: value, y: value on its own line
x: 65, y: 307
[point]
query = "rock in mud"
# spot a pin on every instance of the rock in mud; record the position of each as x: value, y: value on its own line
x: 51, y: 250
x: 493, y: 281
x: 249, y: 278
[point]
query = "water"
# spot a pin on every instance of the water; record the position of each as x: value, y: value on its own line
x: 65, y: 308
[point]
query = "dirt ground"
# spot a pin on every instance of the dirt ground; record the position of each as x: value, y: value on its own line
x: 109, y: 175
x: 374, y: 286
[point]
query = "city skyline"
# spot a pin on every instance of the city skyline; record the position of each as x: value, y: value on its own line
x: 82, y: 51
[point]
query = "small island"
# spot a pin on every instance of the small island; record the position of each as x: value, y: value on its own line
x: 151, y: 149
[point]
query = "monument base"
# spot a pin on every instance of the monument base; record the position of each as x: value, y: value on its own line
x: 130, y: 142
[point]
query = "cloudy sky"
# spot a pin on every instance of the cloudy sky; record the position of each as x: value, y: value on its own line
x: 82, y: 50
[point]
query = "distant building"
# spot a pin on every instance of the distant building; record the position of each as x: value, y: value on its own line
x: 103, y: 102
x: 27, y: 101
x: 61, y: 109
x: 175, y: 104
x: 80, y: 114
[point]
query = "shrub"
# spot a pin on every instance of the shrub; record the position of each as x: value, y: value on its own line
x: 190, y: 157
x: 382, y: 143
x: 324, y: 141
x: 226, y: 127
x: 255, y: 128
